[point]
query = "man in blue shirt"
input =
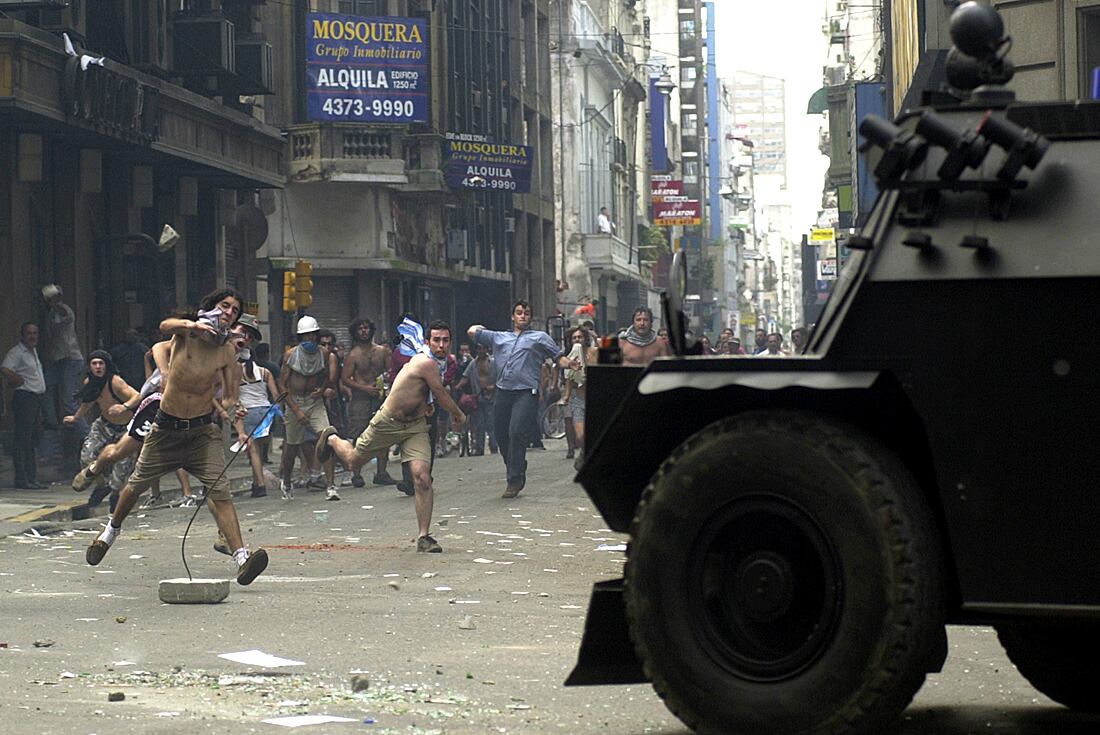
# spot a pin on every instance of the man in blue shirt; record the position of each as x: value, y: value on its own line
x: 518, y: 354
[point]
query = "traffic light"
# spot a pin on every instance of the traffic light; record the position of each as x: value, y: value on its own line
x: 303, y: 283
x: 290, y: 295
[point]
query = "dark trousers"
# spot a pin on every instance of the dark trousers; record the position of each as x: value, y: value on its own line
x: 481, y: 426
x: 514, y: 414
x: 26, y: 409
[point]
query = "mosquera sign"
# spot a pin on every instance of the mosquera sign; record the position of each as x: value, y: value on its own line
x: 366, y: 69
x: 670, y: 206
x: 475, y: 163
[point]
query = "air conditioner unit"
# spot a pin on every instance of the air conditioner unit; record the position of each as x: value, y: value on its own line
x: 202, y: 45
x: 255, y: 74
x: 59, y: 17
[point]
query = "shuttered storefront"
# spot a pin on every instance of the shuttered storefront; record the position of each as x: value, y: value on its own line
x: 334, y: 305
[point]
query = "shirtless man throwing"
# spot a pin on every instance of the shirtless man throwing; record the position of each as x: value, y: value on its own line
x: 639, y: 343
x: 402, y: 420
x: 185, y: 434
x: 365, y: 363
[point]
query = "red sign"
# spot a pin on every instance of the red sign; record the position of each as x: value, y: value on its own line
x: 688, y: 212
x: 665, y: 187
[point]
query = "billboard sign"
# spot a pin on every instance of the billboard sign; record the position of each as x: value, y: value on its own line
x: 686, y: 212
x: 366, y: 70
x: 472, y: 162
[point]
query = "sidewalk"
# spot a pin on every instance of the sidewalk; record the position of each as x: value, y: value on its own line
x: 22, y: 510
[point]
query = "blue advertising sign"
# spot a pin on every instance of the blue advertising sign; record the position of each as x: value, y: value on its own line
x: 368, y: 70
x: 474, y: 163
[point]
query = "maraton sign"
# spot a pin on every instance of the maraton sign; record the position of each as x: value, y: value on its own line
x: 669, y: 213
x: 473, y: 162
x: 366, y: 69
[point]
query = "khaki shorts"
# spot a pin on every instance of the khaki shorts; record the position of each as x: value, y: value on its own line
x: 198, y: 451
x: 316, y: 419
x: 360, y: 412
x: 383, y: 432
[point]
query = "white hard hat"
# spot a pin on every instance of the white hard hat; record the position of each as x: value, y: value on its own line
x: 308, y: 324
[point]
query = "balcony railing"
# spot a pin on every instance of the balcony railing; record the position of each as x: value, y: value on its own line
x: 346, y: 152
x: 610, y: 253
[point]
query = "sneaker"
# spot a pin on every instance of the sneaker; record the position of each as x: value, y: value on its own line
x: 300, y: 482
x: 83, y: 479
x: 96, y: 552
x: 322, y: 450
x: 406, y: 488
x: 428, y: 544
x: 357, y: 481
x: 287, y: 490
x: 331, y: 494
x: 149, y: 502
x: 258, y: 491
x: 513, y: 489
x: 579, y: 460
x: 316, y: 483
x: 222, y: 546
x: 252, y: 567
x: 383, y: 478
x: 188, y: 501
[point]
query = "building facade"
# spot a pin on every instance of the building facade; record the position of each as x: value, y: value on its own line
x: 147, y: 116
x: 372, y: 203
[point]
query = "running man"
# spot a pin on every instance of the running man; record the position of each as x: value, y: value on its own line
x: 402, y: 420
x: 185, y: 435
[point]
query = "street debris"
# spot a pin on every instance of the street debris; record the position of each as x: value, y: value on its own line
x: 116, y: 696
x: 43, y: 643
x: 360, y: 682
x: 467, y: 623
x: 259, y: 658
x: 302, y: 720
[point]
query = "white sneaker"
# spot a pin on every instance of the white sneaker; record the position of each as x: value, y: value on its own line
x: 149, y: 502
x: 188, y: 502
x: 331, y: 494
x: 287, y: 490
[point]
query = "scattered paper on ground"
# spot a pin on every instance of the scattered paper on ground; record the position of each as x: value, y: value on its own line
x: 300, y: 720
x: 259, y: 658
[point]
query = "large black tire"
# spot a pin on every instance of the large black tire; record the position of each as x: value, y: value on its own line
x: 1061, y: 662
x: 785, y: 575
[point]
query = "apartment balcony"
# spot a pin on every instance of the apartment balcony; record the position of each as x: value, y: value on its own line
x: 611, y: 255
x: 346, y: 152
x: 604, y: 50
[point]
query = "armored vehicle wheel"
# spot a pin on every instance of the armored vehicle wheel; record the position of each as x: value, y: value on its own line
x: 784, y: 575
x: 1062, y: 663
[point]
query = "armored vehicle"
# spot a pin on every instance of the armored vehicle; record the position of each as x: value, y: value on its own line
x: 801, y: 529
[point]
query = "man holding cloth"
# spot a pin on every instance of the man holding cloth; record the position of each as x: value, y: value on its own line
x: 519, y: 354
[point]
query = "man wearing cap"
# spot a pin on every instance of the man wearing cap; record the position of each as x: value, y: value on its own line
x: 308, y: 376
x: 22, y: 369
x: 64, y: 364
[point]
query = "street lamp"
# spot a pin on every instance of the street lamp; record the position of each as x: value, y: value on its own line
x: 664, y: 84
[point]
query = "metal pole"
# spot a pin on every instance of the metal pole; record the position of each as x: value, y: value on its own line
x: 561, y: 127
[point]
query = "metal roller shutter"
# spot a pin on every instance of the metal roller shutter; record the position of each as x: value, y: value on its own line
x: 334, y: 305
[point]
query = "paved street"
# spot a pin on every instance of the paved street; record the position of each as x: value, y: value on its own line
x: 474, y: 640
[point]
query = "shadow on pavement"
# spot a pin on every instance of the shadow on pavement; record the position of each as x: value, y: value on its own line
x: 959, y: 719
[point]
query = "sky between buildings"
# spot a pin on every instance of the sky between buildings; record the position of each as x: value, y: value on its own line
x: 781, y: 38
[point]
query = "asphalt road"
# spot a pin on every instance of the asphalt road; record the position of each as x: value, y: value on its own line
x: 477, y: 639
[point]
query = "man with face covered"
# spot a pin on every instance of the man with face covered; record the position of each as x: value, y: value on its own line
x: 308, y: 376
x: 105, y: 389
x: 639, y: 343
x: 186, y: 435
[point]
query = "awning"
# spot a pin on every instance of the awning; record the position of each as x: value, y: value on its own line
x: 819, y: 102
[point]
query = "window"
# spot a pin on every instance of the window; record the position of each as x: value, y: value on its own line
x: 687, y: 74
x: 1088, y: 49
x: 362, y: 7
x: 687, y: 29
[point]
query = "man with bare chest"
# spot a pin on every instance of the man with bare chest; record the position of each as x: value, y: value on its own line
x: 402, y: 420
x: 639, y: 343
x: 309, y: 377
x: 104, y: 389
x: 364, y: 366
x: 185, y: 435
